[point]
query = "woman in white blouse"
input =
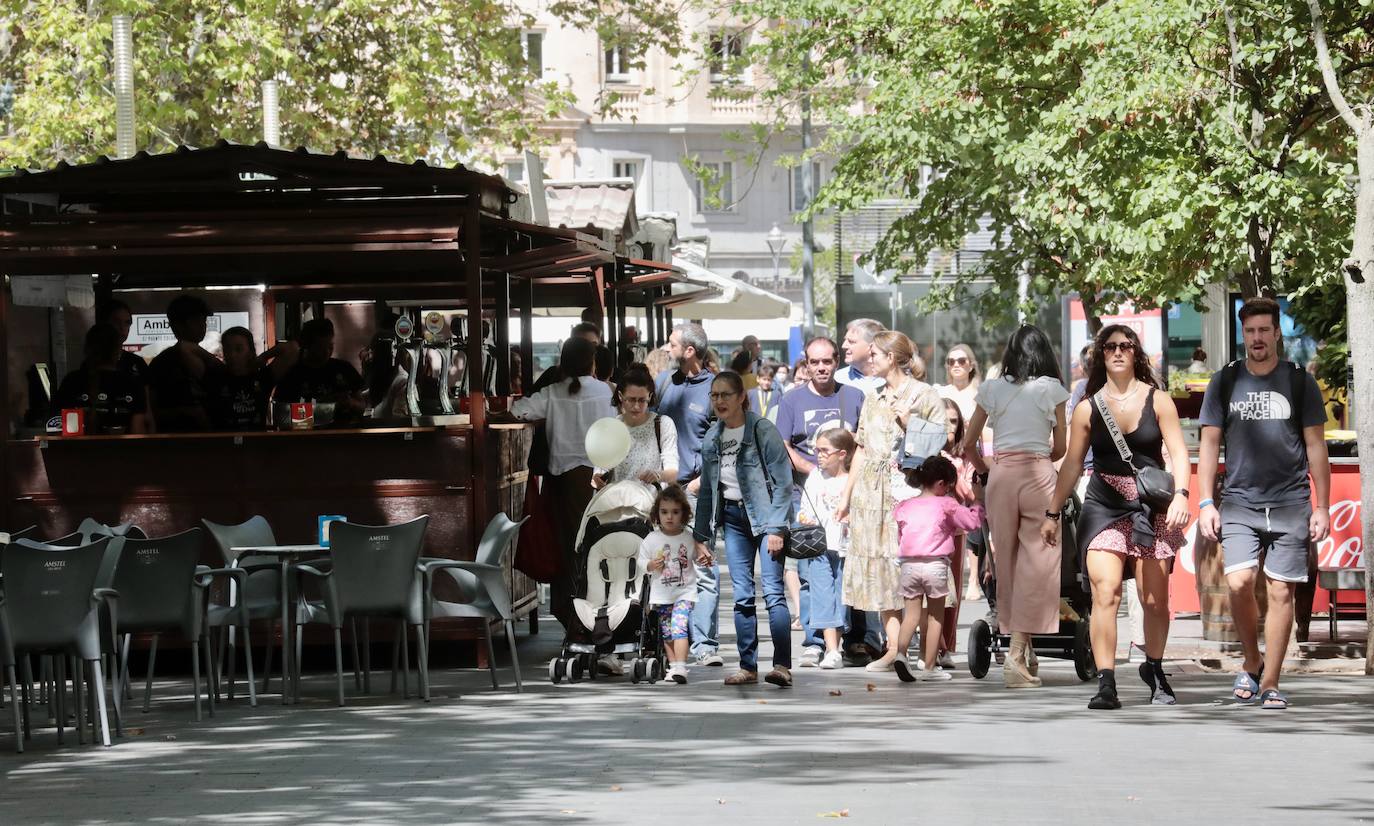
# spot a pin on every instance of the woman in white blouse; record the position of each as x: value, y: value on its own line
x: 568, y: 408
x: 653, y: 438
x: 1025, y: 407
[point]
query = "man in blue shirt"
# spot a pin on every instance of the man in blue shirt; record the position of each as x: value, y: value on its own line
x: 858, y: 346
x: 684, y: 396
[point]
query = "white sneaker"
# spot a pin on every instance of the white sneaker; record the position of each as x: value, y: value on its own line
x: 832, y: 660
x: 883, y: 663
x: 903, y: 669
x: 933, y: 674
x: 945, y: 660
x: 810, y: 657
x: 677, y: 672
x: 712, y: 658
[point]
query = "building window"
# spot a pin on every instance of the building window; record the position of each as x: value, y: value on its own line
x: 799, y: 200
x: 725, y: 54
x: 617, y: 64
x: 626, y: 169
x: 532, y: 46
x: 720, y: 181
x: 513, y: 170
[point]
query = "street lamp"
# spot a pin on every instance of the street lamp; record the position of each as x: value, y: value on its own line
x: 776, y: 243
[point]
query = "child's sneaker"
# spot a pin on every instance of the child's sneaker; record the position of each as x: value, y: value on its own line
x: 832, y: 660
x: 934, y: 674
x: 677, y: 672
x: 903, y: 669
x: 810, y: 657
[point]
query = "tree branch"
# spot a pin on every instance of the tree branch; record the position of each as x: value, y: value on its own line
x: 1333, y: 86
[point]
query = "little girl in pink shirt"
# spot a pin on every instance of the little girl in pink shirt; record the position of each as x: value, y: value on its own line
x: 927, y: 526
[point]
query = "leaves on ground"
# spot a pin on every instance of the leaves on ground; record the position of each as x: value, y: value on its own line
x: 838, y: 813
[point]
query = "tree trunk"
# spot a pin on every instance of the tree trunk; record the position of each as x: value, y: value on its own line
x: 1359, y: 299
x: 1088, y: 298
x: 1258, y: 278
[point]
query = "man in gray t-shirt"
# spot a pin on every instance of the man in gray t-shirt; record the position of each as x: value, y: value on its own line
x: 1269, y: 413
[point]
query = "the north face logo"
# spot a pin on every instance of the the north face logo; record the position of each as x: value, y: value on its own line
x: 1265, y: 405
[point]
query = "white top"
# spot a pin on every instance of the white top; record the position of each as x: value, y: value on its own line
x: 677, y: 582
x: 567, y: 418
x: 647, y: 452
x: 820, y: 497
x: 1022, y: 415
x: 967, y: 399
x: 845, y: 375
x: 730, y: 439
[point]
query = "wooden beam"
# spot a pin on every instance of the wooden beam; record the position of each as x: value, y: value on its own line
x: 477, y: 398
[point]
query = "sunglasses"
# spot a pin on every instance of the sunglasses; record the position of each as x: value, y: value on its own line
x: 1118, y: 347
x: 955, y: 361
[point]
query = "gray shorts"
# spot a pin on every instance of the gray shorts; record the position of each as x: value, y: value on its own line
x: 1277, y: 534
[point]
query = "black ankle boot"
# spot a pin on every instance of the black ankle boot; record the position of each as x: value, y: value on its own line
x: 1105, y: 698
x: 1161, y: 693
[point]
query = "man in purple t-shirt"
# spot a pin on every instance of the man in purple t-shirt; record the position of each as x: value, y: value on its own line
x: 804, y: 411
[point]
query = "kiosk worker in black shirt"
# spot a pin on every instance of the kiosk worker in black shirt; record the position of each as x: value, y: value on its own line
x: 320, y: 377
x: 114, y: 400
x: 177, y: 377
x: 238, y: 394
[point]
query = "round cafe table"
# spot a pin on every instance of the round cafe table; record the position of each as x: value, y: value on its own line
x: 285, y: 555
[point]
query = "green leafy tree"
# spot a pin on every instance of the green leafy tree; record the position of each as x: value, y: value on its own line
x: 1135, y: 150
x: 437, y: 79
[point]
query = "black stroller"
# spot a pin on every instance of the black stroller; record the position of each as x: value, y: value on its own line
x: 1073, y: 641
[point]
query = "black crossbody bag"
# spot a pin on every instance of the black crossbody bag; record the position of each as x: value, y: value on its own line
x: 1153, y: 485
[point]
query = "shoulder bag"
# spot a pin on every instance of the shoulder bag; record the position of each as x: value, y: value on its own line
x: 798, y: 541
x: 1154, y: 487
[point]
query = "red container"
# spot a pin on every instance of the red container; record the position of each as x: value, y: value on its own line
x: 74, y: 422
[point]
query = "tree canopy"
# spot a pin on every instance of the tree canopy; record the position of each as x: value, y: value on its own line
x: 435, y: 79
x: 1139, y: 149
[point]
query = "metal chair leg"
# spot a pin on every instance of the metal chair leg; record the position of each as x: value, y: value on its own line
x: 491, y: 653
x: 367, y: 656
x: 205, y: 649
x: 338, y: 664
x: 59, y: 691
x: 195, y: 675
x: 12, y: 675
x: 248, y: 664
x: 357, y: 656
x: 267, y: 663
x: 78, y: 668
x: 124, y: 667
x: 395, y: 663
x: 514, y: 657
x: 148, y: 687
x: 422, y: 660
x: 26, y: 674
x: 100, y: 702
x: 405, y: 658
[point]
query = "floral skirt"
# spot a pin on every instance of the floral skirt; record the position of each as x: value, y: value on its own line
x: 1116, y: 537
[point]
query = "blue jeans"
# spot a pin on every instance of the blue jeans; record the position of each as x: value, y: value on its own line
x: 863, y: 627
x: 742, y: 549
x: 705, y: 623
x: 825, y: 575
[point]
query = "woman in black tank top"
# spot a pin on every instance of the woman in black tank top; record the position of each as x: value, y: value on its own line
x: 1119, y: 536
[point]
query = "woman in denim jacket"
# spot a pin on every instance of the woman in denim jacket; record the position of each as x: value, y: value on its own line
x: 746, y: 489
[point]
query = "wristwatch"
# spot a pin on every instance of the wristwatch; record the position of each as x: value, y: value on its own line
x: 981, y: 479
x: 1181, y: 492
x: 1053, y: 515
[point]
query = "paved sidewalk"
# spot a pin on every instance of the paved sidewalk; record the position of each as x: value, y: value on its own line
x: 840, y: 743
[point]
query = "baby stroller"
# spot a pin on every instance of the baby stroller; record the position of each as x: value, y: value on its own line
x: 609, y: 616
x: 1073, y: 641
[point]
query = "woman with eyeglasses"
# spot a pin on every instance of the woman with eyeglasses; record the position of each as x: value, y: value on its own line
x: 653, y: 438
x: 1118, y: 534
x: 1025, y: 406
x: 872, y: 574
x: 746, y: 492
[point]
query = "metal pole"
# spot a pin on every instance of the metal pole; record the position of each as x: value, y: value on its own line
x: 124, y: 85
x: 271, y: 113
x: 808, y: 231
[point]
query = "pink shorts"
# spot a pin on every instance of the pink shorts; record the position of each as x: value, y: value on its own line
x: 925, y: 578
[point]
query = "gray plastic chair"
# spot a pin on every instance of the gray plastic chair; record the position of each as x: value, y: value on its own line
x: 53, y: 607
x: 255, y: 595
x: 90, y: 530
x: 161, y: 590
x: 482, y: 583
x: 373, y: 573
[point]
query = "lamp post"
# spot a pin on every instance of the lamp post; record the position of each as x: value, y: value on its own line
x: 776, y: 243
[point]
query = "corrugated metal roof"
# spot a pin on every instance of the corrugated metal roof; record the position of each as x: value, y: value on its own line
x: 604, y: 205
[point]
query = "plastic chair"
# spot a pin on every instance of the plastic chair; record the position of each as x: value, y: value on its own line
x: 90, y: 530
x: 53, y: 607
x: 373, y: 573
x: 483, y: 584
x: 255, y: 594
x: 161, y: 590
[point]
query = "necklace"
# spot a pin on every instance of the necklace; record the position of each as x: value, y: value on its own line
x: 1135, y: 385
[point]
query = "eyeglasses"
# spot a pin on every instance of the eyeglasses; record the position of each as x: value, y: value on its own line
x: 955, y: 361
x: 634, y: 401
x: 1118, y: 346
x: 715, y: 397
x: 822, y: 452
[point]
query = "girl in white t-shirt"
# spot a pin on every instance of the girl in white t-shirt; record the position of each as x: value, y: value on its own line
x: 667, y: 555
x: 1025, y: 408
x: 825, y: 574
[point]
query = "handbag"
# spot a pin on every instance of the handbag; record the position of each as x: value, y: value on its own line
x: 805, y: 541
x: 1154, y: 487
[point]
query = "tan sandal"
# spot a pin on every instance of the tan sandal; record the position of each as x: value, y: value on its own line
x: 743, y: 677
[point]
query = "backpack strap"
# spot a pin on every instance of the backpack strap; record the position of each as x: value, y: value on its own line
x: 1226, y: 385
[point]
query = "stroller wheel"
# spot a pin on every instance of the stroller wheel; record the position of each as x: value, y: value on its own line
x: 558, y: 670
x: 655, y: 670
x: 979, y: 649
x: 636, y: 671
x: 575, y: 669
x: 1083, y: 661
x: 590, y: 666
